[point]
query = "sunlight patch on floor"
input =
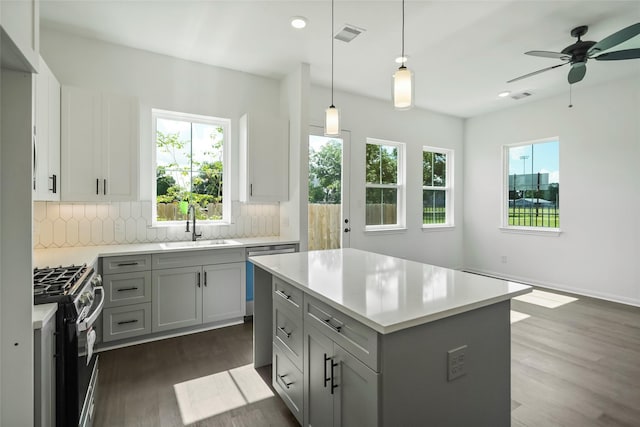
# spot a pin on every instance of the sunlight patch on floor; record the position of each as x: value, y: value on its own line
x: 516, y: 316
x: 545, y: 299
x: 215, y: 394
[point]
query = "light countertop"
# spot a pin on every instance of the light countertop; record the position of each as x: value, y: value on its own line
x: 387, y: 294
x: 42, y: 313
x: 90, y: 254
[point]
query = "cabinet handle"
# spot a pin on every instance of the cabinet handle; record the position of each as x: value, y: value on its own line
x: 251, y: 189
x: 124, y: 322
x: 198, y: 281
x: 124, y: 264
x: 326, y: 380
x: 97, y: 185
x: 338, y: 328
x: 333, y: 385
x: 54, y: 183
x: 35, y: 158
x: 104, y: 187
x: 127, y: 289
x: 205, y: 278
x: 288, y: 334
x: 282, y: 294
x: 283, y: 381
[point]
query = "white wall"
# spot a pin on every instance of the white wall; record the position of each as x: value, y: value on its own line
x: 598, y: 250
x: 366, y: 117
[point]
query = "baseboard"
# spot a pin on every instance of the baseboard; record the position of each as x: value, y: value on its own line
x: 555, y: 286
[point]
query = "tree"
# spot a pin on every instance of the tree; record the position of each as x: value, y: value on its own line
x: 325, y: 173
x: 209, y: 180
x: 163, y: 181
x: 382, y: 168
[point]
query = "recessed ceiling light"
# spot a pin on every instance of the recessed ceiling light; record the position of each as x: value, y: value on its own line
x: 504, y: 94
x: 298, y: 22
x: 401, y: 59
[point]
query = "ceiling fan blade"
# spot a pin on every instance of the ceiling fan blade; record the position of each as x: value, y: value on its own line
x: 619, y: 55
x: 615, y: 39
x: 547, y: 54
x: 536, y: 72
x: 577, y: 72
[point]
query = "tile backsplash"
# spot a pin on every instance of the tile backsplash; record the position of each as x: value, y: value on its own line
x: 57, y: 225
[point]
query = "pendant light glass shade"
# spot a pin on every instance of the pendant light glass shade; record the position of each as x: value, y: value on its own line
x: 332, y: 121
x: 403, y: 89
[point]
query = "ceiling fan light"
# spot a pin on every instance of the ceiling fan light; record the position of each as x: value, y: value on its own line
x: 504, y: 94
x: 298, y: 22
x: 332, y: 121
x: 403, y: 89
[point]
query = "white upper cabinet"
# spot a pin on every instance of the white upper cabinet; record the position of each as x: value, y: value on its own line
x: 99, y: 146
x: 264, y: 159
x: 46, y: 173
x: 20, y: 34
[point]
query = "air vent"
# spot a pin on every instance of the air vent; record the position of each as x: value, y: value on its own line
x: 520, y: 95
x: 348, y: 33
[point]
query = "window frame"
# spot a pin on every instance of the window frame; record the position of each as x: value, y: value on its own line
x: 504, y: 209
x: 448, y: 188
x: 225, y: 124
x: 400, y: 186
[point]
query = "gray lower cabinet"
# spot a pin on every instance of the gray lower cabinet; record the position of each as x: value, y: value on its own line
x: 177, y: 298
x: 223, y: 294
x: 126, y: 321
x: 45, y: 374
x: 339, y: 389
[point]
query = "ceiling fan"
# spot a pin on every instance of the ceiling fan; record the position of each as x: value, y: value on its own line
x: 579, y: 52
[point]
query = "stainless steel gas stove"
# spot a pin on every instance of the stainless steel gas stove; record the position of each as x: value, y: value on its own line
x: 80, y: 297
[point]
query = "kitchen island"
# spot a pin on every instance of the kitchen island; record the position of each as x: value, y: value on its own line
x: 363, y: 339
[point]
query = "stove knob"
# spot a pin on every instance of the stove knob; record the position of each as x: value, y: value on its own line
x: 86, y: 299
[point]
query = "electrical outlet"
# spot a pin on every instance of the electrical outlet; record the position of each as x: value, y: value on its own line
x: 503, y: 258
x: 456, y: 363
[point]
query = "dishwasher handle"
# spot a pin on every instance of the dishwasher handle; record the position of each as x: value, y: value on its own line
x: 251, y: 252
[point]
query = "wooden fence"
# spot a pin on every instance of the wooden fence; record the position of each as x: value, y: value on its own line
x: 325, y: 228
x: 172, y: 212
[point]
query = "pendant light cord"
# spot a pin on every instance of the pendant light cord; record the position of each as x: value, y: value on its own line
x: 332, y: 52
x: 403, y: 33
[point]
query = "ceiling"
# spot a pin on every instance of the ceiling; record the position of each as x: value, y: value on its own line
x: 462, y: 52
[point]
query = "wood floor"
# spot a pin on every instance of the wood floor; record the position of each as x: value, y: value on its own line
x: 574, y: 365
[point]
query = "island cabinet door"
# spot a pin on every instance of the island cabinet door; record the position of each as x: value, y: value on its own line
x: 177, y: 298
x: 318, y: 400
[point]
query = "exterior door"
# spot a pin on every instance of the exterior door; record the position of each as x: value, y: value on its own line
x: 328, y: 208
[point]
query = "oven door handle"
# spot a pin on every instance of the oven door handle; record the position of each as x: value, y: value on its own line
x: 89, y: 321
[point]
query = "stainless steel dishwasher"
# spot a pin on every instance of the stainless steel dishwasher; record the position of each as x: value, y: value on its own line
x: 263, y: 250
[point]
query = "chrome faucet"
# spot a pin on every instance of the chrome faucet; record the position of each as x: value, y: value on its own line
x: 192, y: 211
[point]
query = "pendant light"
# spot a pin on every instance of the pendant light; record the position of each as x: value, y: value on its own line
x: 403, y: 87
x: 332, y: 115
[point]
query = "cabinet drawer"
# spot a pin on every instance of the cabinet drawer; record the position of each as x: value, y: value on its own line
x: 287, y: 381
x: 291, y: 296
x: 287, y: 331
x: 193, y: 258
x: 126, y: 321
x: 353, y: 336
x: 126, y: 264
x: 127, y: 288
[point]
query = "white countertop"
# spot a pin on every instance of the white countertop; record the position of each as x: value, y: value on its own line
x: 89, y: 254
x: 385, y: 293
x: 42, y: 313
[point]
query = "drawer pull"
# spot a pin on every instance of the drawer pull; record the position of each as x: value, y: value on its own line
x: 128, y: 289
x: 333, y: 385
x: 283, y: 381
x: 338, y: 328
x: 124, y: 322
x: 288, y: 334
x: 326, y: 359
x: 283, y: 295
x: 125, y: 264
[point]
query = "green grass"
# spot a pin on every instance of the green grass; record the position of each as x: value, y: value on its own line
x: 526, y: 217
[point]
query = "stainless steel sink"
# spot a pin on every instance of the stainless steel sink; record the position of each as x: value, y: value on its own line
x: 198, y: 244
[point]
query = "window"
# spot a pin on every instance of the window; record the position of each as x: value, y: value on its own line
x: 384, y: 184
x: 437, y: 197
x: 532, y: 196
x: 191, y: 166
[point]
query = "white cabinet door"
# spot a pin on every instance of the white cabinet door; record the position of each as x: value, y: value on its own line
x: 223, y: 294
x: 21, y: 24
x: 80, y: 145
x: 47, y: 137
x: 264, y: 159
x: 318, y: 400
x: 99, y: 146
x: 177, y: 298
x: 119, y: 147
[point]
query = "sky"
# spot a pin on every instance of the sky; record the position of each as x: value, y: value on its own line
x: 534, y: 158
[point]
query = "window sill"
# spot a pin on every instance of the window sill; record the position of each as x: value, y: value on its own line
x: 395, y: 230
x: 532, y: 230
x: 444, y: 227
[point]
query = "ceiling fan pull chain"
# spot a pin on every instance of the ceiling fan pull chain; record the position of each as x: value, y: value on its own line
x: 570, y: 100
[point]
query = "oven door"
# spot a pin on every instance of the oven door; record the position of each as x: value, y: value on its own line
x: 87, y: 362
